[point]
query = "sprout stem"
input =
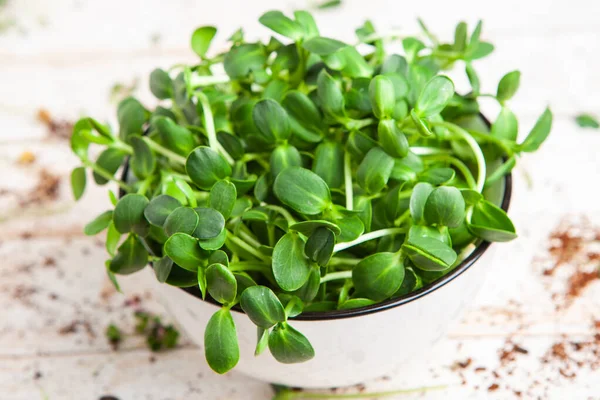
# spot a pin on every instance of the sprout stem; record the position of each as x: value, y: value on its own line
x: 336, y: 275
x: 197, y: 81
x: 368, y: 236
x: 427, y: 151
x: 464, y: 170
x: 481, y: 172
x: 348, y: 181
x: 209, y: 125
x: 239, y: 242
x: 285, y: 213
x: 248, y: 266
x: 335, y: 261
x: 164, y: 151
x: 107, y: 175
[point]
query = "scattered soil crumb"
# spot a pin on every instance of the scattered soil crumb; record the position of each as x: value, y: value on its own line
x: 73, y: 327
x: 493, y: 387
x: 462, y: 364
x: 37, y: 375
x: 60, y: 129
x: 47, y: 189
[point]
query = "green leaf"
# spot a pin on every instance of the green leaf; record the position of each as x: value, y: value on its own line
x: 306, y: 20
x: 391, y: 139
x: 244, y: 58
x: 99, y: 223
x: 378, y: 276
x: 412, y: 46
x: 262, y: 342
x: 383, y: 98
x: 587, y: 121
x: 460, y: 37
x: 329, y: 163
x: 129, y: 214
x: 143, y: 161
x: 319, y: 246
x: 470, y: 196
x: 206, y: 167
x: 161, y: 84
x: 302, y: 190
x: 202, y: 281
x: 184, y: 250
x: 436, y: 94
x: 210, y: 223
x: 330, y: 95
x: 374, y: 170
x: 473, y: 78
x: 445, y: 206
x: 112, y: 277
x: 276, y: 21
x: 131, y: 257
x: 132, y: 117
x: 109, y: 160
x: 418, y: 198
x: 284, y: 156
x: 308, y: 227
x: 508, y: 86
x: 232, y: 144
x: 506, y: 125
x: 437, y: 176
x: 221, y: 284
x: 428, y: 253
x: 174, y: 137
x: 330, y: 4
x: 222, y: 197
x: 482, y: 49
x: 214, y: 243
x: 323, y: 46
x: 262, y: 306
x: 420, y: 124
x: 491, y: 223
x: 271, y: 120
x: 290, y: 266
x: 351, y: 226
x: 201, y: 39
x: 539, y: 133
x: 289, y: 346
x: 79, y: 142
x: 160, y: 208
x: 221, y: 347
x: 262, y: 188
x: 350, y: 62
x: 308, y: 292
x: 182, y: 219
x: 305, y: 119
x: 78, y: 182
x: 112, y: 239
x: 162, y: 268
x: 356, y: 303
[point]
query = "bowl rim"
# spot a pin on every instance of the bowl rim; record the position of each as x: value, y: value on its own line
x: 387, y: 304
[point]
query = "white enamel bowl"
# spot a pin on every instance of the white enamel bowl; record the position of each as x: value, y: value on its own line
x: 352, y: 346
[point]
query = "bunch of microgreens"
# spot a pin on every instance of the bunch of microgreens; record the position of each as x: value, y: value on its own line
x: 306, y: 177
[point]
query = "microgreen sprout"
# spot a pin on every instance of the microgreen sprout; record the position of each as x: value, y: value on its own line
x: 305, y: 177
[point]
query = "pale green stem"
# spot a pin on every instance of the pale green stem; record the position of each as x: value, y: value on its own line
x: 248, y: 266
x: 402, y: 218
x: 464, y: 170
x: 481, y: 172
x: 209, y: 125
x: 197, y: 81
x: 348, y: 181
x: 239, y: 242
x: 249, y: 239
x: 285, y: 213
x: 164, y: 151
x: 144, y: 185
x: 336, y: 261
x: 107, y: 175
x: 426, y: 151
x: 368, y: 236
x: 336, y: 275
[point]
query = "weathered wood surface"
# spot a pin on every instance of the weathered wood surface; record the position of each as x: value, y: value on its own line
x: 56, y: 302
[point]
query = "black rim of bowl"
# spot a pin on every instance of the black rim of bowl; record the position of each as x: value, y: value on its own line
x: 388, y: 304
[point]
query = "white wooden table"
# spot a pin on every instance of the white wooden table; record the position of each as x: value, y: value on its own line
x: 66, y: 55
